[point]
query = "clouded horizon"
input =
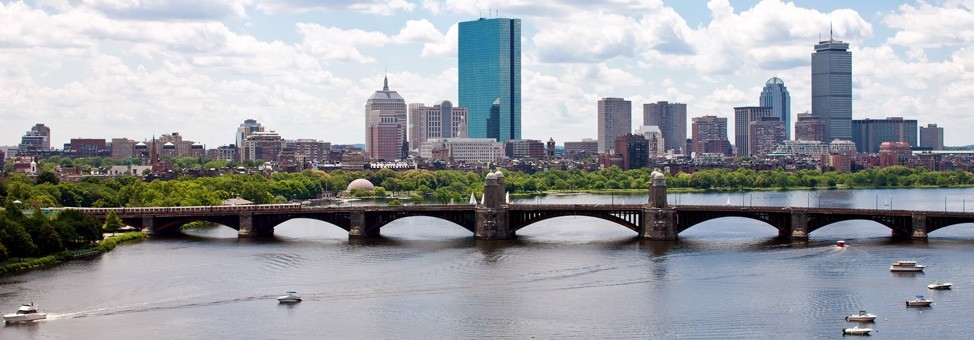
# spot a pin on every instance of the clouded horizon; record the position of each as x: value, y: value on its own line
x: 134, y: 69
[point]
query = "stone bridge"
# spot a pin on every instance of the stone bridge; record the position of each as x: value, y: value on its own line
x: 496, y: 219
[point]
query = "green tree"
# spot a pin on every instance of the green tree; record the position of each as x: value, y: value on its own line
x: 47, y: 177
x: 15, y: 238
x: 112, y: 222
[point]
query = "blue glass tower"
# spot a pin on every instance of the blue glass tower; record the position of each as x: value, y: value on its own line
x: 775, y: 95
x: 489, y: 67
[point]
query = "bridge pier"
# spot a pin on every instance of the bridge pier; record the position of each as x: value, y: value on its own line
x: 493, y: 224
x: 149, y: 225
x: 798, y: 230
x: 659, y: 224
x: 919, y: 226
x: 358, y: 228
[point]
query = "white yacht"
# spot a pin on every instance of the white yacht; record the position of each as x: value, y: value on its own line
x: 920, y: 301
x: 856, y: 330
x: 861, y: 317
x: 940, y: 285
x: 27, y: 312
x: 289, y: 297
x: 906, y: 266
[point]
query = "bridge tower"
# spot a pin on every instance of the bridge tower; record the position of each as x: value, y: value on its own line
x: 659, y: 220
x: 493, y: 217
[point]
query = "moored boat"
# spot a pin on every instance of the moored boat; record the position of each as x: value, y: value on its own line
x: 856, y: 330
x: 26, y: 312
x: 919, y: 301
x: 840, y: 243
x: 940, y: 285
x: 906, y: 266
x: 289, y: 297
x: 861, y: 317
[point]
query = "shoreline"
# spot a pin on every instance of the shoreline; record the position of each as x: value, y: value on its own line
x: 103, y: 246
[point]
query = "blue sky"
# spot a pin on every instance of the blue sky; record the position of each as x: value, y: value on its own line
x: 304, y: 68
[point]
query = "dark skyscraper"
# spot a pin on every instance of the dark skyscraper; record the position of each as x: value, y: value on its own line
x: 489, y: 71
x: 832, y: 88
x: 775, y: 95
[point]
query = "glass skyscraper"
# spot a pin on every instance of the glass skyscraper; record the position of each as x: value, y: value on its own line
x: 832, y: 88
x: 775, y: 95
x: 489, y: 64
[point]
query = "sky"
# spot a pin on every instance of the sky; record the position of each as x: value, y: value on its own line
x: 304, y: 68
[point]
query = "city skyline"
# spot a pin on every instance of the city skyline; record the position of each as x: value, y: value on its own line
x: 102, y: 70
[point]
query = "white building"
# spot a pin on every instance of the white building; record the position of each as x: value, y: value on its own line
x: 465, y: 150
x: 653, y: 134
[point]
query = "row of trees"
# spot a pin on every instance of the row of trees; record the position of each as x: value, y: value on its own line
x: 430, y: 186
x: 39, y: 235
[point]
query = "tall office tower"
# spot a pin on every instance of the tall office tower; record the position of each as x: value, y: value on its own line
x: 709, y: 135
x: 869, y: 134
x: 37, y: 139
x: 775, y: 95
x: 932, y: 137
x: 439, y: 121
x: 615, y: 119
x: 489, y: 71
x: 388, y: 109
x: 672, y: 121
x: 809, y: 128
x: 743, y: 117
x: 832, y: 88
x: 245, y: 129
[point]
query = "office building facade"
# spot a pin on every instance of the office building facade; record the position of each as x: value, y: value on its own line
x: 932, y: 137
x: 489, y: 72
x: 709, y: 135
x: 869, y: 134
x: 439, y: 121
x: 672, y: 121
x: 832, y: 88
x: 743, y: 117
x: 775, y: 95
x: 385, y: 124
x: 614, y: 120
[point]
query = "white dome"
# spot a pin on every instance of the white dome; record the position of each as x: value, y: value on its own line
x: 361, y: 184
x: 499, y: 174
x: 491, y: 175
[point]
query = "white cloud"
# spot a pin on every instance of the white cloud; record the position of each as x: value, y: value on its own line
x: 168, y: 9
x: 927, y: 25
x: 376, y: 7
x: 333, y: 43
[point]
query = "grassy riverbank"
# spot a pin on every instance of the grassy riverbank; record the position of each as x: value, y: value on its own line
x: 103, y: 246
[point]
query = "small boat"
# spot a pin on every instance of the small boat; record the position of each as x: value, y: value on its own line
x: 906, y: 266
x: 940, y: 285
x: 920, y: 301
x: 840, y: 243
x: 289, y: 297
x: 861, y: 317
x: 856, y: 330
x: 26, y: 312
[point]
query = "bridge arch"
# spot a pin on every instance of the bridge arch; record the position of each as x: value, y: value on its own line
x: 778, y: 220
x: 856, y: 222
x: 733, y: 224
x: 631, y: 220
x: 463, y: 219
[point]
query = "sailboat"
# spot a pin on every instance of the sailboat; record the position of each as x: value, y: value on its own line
x: 728, y: 201
x: 507, y: 197
x: 473, y: 199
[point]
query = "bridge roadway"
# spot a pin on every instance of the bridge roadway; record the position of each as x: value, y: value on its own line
x: 502, y: 221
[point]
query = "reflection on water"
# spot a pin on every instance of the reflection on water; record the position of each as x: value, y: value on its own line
x: 570, y: 277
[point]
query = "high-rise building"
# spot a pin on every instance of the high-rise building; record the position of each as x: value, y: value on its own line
x: 869, y: 134
x: 764, y: 135
x: 587, y: 147
x: 246, y: 128
x: 615, y: 119
x: 810, y: 128
x: 832, y: 88
x: 672, y: 121
x: 37, y: 139
x: 932, y: 136
x: 489, y: 72
x: 428, y: 122
x: 634, y: 150
x: 524, y: 148
x: 775, y: 95
x: 709, y: 135
x: 265, y: 146
x: 385, y: 124
x: 743, y: 117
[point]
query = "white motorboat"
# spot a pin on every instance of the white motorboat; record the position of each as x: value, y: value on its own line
x: 26, y: 312
x: 856, y: 330
x: 289, y: 297
x: 920, y: 301
x: 940, y: 285
x: 906, y: 266
x: 861, y: 317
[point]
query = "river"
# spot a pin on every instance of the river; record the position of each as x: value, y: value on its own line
x: 570, y: 277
